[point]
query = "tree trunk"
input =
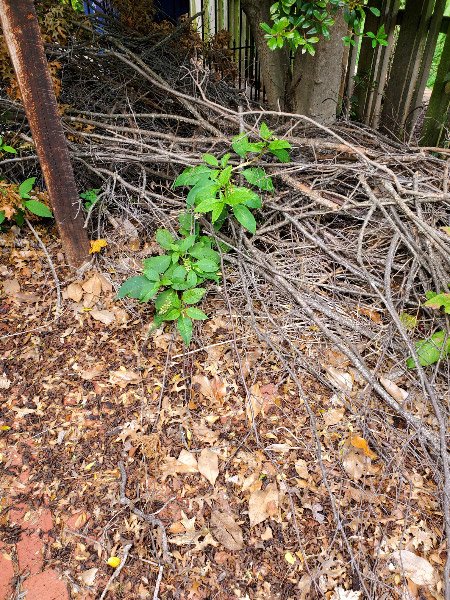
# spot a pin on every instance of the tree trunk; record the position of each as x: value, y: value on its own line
x: 275, y: 66
x: 23, y: 38
x: 317, y: 79
x: 436, y: 116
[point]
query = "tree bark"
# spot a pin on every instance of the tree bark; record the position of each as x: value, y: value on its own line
x: 275, y: 65
x: 317, y: 79
x: 23, y: 38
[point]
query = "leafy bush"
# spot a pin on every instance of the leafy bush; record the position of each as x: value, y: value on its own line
x: 15, y: 202
x: 175, y: 279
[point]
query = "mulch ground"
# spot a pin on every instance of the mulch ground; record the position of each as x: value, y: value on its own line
x: 230, y: 472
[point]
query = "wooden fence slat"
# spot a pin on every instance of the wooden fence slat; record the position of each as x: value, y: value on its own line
x: 405, y: 66
x: 430, y: 48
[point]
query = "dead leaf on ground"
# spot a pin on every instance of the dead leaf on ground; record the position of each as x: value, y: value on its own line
x: 356, y: 464
x: 124, y: 377
x: 393, y: 390
x: 333, y: 416
x: 263, y: 504
x: 74, y: 292
x: 342, y: 594
x: 226, y: 530
x: 360, y: 443
x: 214, y: 389
x: 192, y: 536
x: 208, y: 465
x: 11, y: 287
x: 204, y: 434
x: 340, y: 379
x: 88, y: 577
x: 185, y: 463
x: 414, y: 567
x: 5, y: 383
x: 104, y: 316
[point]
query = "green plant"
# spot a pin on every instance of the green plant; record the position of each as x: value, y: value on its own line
x: 301, y: 23
x: 175, y: 279
x: 15, y: 202
x: 437, y: 346
x: 5, y: 148
x: 90, y: 197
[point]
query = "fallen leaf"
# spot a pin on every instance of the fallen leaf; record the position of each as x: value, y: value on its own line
x: 93, y: 285
x: 226, y: 530
x: 204, y: 434
x: 290, y: 558
x: 267, y: 534
x: 393, y: 390
x: 88, y: 577
x: 414, y: 567
x: 97, y: 245
x: 342, y: 594
x: 356, y: 464
x: 333, y: 416
x: 113, y: 561
x: 185, y: 463
x: 208, y: 465
x: 74, y: 292
x: 301, y: 468
x: 340, y: 379
x: 214, y: 389
x: 192, y: 536
x: 263, y: 504
x: 359, y: 442
x: 104, y: 316
x: 5, y: 383
x: 124, y: 377
x: 11, y: 287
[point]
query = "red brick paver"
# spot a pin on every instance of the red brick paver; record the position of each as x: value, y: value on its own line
x: 47, y: 585
x: 30, y: 553
x: 6, y: 573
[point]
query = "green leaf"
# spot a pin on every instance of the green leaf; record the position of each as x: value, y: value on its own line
x: 258, y: 177
x: 208, y: 205
x: 210, y: 159
x: 225, y: 176
x: 196, y: 314
x: 282, y: 155
x: 279, y: 145
x: 224, y: 160
x: 193, y: 296
x: 179, y: 273
x: 9, y: 149
x: 207, y: 265
x: 429, y: 351
x: 186, y: 221
x: 408, y: 321
x: 167, y: 300
x: 184, y: 326
x: 172, y: 314
x: 438, y: 301
x: 241, y: 195
x: 164, y: 238
x: 219, y: 214
x: 201, y: 251
x: 25, y: 187
x: 2, y: 216
x: 205, y: 188
x: 186, y: 243
x: 265, y: 132
x: 138, y: 287
x: 192, y: 175
x: 375, y: 11
x: 38, y: 208
x: 191, y: 279
x: 155, y: 265
x: 245, y: 218
x: 240, y: 144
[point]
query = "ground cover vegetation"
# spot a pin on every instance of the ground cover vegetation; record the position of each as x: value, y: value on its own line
x: 293, y: 444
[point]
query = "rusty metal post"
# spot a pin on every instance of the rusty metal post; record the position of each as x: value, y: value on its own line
x: 23, y: 38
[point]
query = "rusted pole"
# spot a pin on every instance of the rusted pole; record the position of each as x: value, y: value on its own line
x: 23, y: 38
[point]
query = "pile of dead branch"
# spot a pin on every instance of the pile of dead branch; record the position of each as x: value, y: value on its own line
x: 345, y: 250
